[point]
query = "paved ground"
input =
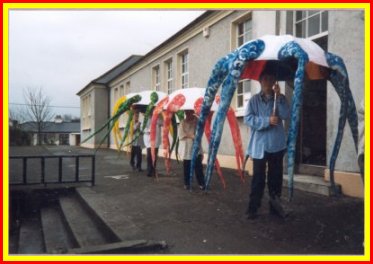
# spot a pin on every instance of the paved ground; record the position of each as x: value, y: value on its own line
x: 196, y: 222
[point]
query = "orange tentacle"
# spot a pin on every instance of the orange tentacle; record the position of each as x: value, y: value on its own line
x: 197, y: 109
x: 153, y: 125
x: 237, y: 140
x: 176, y: 103
x: 236, y: 135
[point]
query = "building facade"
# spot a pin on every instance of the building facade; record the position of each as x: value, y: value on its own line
x: 57, y: 132
x: 187, y: 58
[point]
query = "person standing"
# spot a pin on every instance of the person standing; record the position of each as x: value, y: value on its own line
x: 136, y: 151
x: 150, y: 168
x: 264, y: 115
x: 187, y: 130
x: 361, y: 141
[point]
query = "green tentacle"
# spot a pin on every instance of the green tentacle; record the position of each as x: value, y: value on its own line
x: 180, y: 115
x: 123, y: 108
x: 174, y: 135
x: 153, y: 100
x: 126, y: 128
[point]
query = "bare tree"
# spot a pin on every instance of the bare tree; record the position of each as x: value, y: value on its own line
x: 37, y: 109
x: 17, y: 116
x: 67, y: 117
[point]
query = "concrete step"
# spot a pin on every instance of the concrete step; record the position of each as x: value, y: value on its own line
x: 57, y: 236
x: 30, y: 230
x: 83, y: 224
x: 124, y: 227
x: 130, y: 246
x: 97, y: 202
x: 313, y: 184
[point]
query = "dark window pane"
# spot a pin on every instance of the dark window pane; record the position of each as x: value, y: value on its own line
x: 310, y: 13
x: 239, y: 101
x: 324, y: 19
x: 314, y: 25
x: 240, y: 40
x: 240, y: 29
x: 239, y: 88
x: 289, y: 22
x: 299, y: 15
x: 300, y: 29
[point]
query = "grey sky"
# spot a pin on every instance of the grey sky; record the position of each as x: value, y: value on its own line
x: 61, y: 51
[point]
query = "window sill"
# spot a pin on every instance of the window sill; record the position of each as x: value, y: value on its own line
x: 240, y: 112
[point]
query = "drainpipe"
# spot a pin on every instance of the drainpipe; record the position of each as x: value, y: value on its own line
x: 108, y: 114
x: 277, y: 29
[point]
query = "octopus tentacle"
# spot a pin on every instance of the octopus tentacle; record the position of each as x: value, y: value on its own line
x: 173, y: 132
x: 116, y: 129
x: 237, y: 141
x: 172, y: 107
x: 218, y: 75
x: 226, y: 97
x: 153, y: 100
x: 180, y: 116
x: 127, y: 128
x: 217, y: 163
x: 125, y: 106
x: 293, y: 50
x: 197, y: 109
x: 153, y: 130
x: 339, y: 79
x: 232, y: 64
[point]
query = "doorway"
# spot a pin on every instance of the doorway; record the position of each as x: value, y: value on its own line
x: 311, y: 141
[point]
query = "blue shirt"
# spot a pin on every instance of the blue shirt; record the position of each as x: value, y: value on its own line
x: 263, y: 136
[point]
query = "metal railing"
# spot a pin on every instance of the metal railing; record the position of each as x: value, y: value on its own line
x: 60, y: 179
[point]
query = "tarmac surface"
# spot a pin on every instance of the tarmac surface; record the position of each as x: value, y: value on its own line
x: 214, y: 222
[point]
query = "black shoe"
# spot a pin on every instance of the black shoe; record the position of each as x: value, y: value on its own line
x: 275, y: 207
x: 251, y: 215
x: 139, y: 169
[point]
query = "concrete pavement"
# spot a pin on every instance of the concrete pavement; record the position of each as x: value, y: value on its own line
x: 137, y: 207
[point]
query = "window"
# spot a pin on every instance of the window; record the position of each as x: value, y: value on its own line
x: 243, y: 93
x: 169, y: 77
x: 63, y: 139
x: 121, y: 90
x: 86, y: 112
x: 128, y: 87
x: 184, y: 70
x: 310, y: 23
x: 121, y: 94
x: 156, y: 79
x: 116, y: 95
x: 244, y: 33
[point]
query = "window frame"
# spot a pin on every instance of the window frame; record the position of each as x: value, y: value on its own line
x: 169, y: 76
x: 156, y: 78
x: 306, y: 20
x: 87, y: 112
x: 184, y: 69
x: 243, y: 94
x: 235, y: 43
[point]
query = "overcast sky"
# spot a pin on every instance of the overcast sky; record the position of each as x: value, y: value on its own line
x: 62, y: 51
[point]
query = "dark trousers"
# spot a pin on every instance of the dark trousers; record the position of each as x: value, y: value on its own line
x: 136, y: 157
x: 149, y: 161
x: 198, y: 170
x: 274, y: 175
x: 360, y: 161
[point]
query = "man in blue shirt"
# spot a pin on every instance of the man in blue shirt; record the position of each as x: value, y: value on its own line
x: 264, y: 115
